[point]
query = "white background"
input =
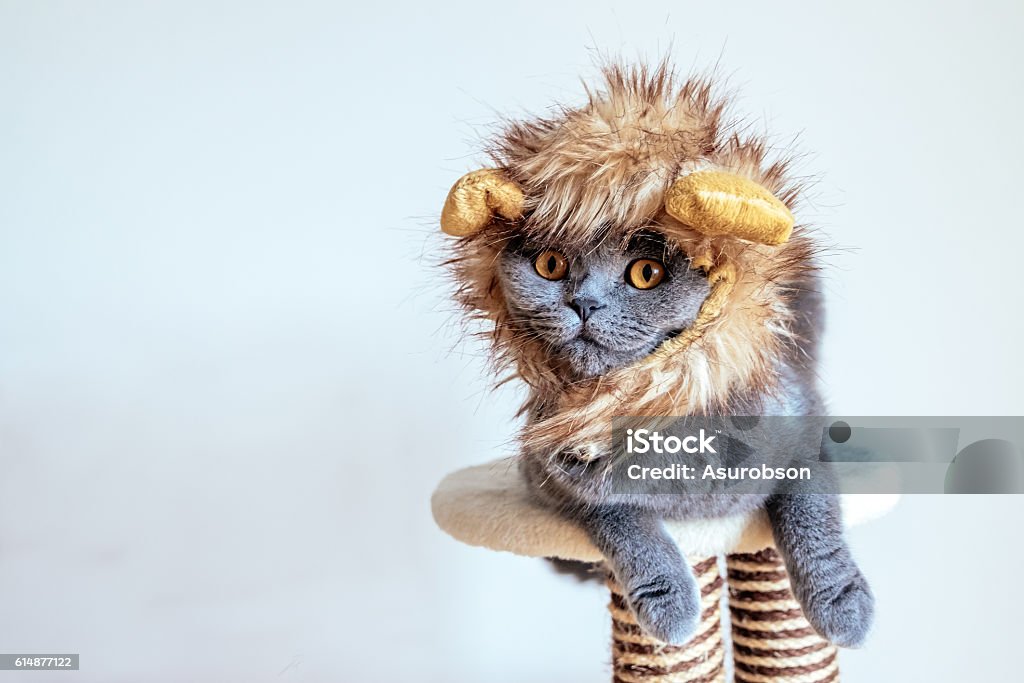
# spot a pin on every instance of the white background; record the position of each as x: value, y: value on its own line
x: 230, y: 377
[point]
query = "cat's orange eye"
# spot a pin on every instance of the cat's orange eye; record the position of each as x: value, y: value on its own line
x: 551, y: 265
x: 645, y: 273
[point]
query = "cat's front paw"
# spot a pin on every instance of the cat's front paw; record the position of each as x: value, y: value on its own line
x: 667, y: 607
x: 843, y: 613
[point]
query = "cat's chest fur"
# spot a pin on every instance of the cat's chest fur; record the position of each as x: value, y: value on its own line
x: 573, y: 485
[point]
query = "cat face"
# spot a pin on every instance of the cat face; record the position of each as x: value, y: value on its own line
x: 605, y: 308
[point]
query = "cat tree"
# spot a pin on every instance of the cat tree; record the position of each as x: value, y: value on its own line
x: 771, y: 641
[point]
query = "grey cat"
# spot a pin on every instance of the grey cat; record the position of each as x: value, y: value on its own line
x: 612, y: 306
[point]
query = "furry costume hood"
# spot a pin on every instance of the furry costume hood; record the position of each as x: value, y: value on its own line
x: 644, y: 152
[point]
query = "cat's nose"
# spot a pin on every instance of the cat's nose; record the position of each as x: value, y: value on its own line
x: 585, y: 307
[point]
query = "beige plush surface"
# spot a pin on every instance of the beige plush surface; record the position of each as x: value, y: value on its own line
x: 488, y: 505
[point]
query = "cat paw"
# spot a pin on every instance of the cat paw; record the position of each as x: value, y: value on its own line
x: 667, y: 607
x: 843, y: 614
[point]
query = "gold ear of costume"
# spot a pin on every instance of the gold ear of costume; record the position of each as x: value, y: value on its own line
x: 719, y: 203
x: 476, y: 197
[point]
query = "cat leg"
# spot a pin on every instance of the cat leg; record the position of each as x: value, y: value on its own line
x: 657, y: 580
x: 835, y: 597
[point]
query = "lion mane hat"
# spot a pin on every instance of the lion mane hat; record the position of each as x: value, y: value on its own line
x: 644, y: 152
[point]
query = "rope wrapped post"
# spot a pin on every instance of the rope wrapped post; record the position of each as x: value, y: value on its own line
x: 638, y: 658
x: 772, y: 641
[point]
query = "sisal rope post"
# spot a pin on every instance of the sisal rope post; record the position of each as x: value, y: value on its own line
x: 772, y: 641
x: 638, y: 658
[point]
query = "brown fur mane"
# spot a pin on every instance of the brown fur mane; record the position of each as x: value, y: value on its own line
x: 599, y: 171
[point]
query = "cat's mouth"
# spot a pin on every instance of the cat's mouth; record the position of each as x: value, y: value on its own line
x: 591, y: 352
x: 585, y: 336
